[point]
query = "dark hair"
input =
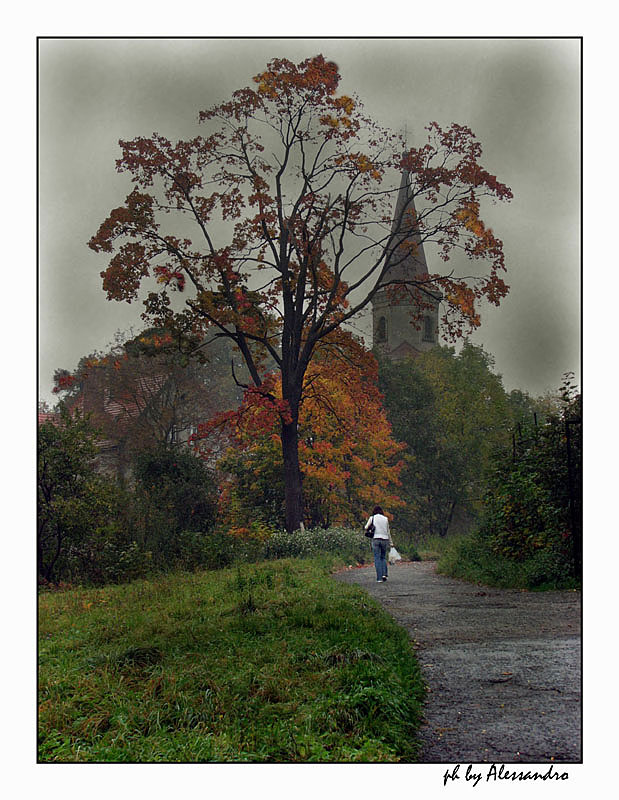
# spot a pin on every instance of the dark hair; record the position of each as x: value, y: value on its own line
x: 378, y: 510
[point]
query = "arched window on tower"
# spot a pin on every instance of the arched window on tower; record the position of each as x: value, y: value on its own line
x: 381, y: 330
x: 428, y: 329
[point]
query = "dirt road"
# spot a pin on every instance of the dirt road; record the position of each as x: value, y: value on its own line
x: 503, y: 667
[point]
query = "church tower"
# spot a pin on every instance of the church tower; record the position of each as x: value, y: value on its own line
x: 405, y: 325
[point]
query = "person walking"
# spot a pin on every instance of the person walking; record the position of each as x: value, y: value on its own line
x: 380, y: 541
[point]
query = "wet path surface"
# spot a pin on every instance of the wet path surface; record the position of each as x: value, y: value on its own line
x: 503, y: 667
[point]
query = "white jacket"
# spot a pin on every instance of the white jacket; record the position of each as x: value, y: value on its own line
x: 381, y: 524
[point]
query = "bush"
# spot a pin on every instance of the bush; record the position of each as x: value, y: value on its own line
x: 174, y: 493
x: 469, y: 558
x: 533, y: 508
x: 411, y: 554
x: 213, y: 550
x: 351, y: 545
x: 80, y: 534
x: 549, y: 569
x: 531, y: 533
x: 223, y: 548
x: 106, y: 556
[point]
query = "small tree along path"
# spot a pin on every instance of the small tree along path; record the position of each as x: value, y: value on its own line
x: 502, y: 666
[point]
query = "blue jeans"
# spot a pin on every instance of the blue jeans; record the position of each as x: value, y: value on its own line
x: 380, y: 557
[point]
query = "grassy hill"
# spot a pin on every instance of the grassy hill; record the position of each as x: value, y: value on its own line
x: 267, y: 662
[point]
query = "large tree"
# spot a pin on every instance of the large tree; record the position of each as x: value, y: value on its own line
x: 348, y: 458
x: 454, y: 415
x: 285, y: 231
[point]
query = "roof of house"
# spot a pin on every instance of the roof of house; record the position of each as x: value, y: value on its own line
x: 47, y: 416
x: 145, y: 388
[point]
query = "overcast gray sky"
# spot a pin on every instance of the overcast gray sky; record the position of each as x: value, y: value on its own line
x: 521, y: 97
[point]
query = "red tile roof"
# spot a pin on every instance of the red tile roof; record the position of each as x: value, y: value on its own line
x: 47, y: 416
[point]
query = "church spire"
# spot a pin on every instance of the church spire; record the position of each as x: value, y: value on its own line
x: 404, y: 327
x: 407, y: 258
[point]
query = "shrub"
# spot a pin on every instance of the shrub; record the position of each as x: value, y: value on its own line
x: 411, y: 554
x: 532, y: 513
x: 214, y: 550
x: 108, y: 555
x: 351, y: 545
x: 174, y: 492
x: 531, y: 532
x: 78, y: 536
x: 470, y: 559
x: 549, y: 569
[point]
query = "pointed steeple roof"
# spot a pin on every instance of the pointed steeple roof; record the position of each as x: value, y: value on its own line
x: 405, y: 262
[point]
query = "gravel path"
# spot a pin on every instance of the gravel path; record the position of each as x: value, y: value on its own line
x: 503, y: 667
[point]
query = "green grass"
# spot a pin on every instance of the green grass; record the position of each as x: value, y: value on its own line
x: 274, y: 662
x: 430, y: 548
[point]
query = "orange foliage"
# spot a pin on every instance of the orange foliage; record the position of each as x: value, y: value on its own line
x: 348, y: 457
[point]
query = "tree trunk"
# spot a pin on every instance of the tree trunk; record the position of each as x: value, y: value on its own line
x: 293, y: 484
x: 47, y: 569
x: 449, y: 518
x: 40, y: 555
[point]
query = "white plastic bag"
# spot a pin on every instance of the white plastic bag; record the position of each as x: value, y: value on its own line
x: 394, y: 556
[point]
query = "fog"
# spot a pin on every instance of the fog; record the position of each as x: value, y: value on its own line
x: 521, y: 97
